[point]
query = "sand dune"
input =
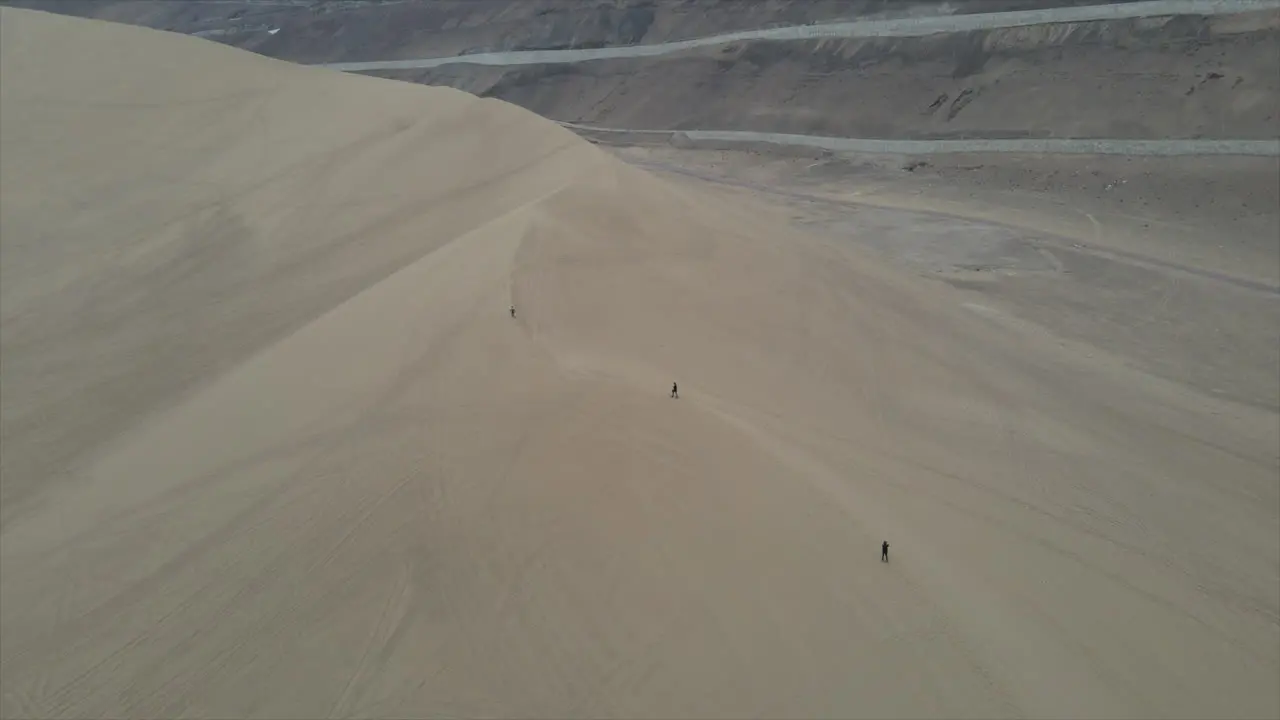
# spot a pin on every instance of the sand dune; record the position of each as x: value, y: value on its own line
x: 273, y: 446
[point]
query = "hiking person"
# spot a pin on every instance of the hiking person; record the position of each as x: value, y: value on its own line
x: 884, y: 551
x: 513, y: 311
x: 675, y: 391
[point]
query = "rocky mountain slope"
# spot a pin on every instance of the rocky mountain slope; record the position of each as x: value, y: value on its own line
x: 314, y: 31
x: 1181, y: 77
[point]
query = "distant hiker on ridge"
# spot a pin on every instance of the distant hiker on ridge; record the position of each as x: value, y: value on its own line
x: 884, y: 551
x: 675, y: 391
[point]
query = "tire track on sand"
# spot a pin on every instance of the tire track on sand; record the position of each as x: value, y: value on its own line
x: 389, y: 625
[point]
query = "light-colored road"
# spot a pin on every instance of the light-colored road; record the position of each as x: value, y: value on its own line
x: 1088, y: 146
x: 897, y: 27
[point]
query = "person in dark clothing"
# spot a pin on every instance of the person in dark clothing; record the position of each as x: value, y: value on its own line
x: 884, y: 551
x: 513, y: 311
x: 675, y: 391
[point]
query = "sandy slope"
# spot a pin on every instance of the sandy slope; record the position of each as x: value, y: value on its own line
x: 273, y: 447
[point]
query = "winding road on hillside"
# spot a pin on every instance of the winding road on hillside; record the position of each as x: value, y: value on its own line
x: 871, y: 146
x: 897, y: 27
